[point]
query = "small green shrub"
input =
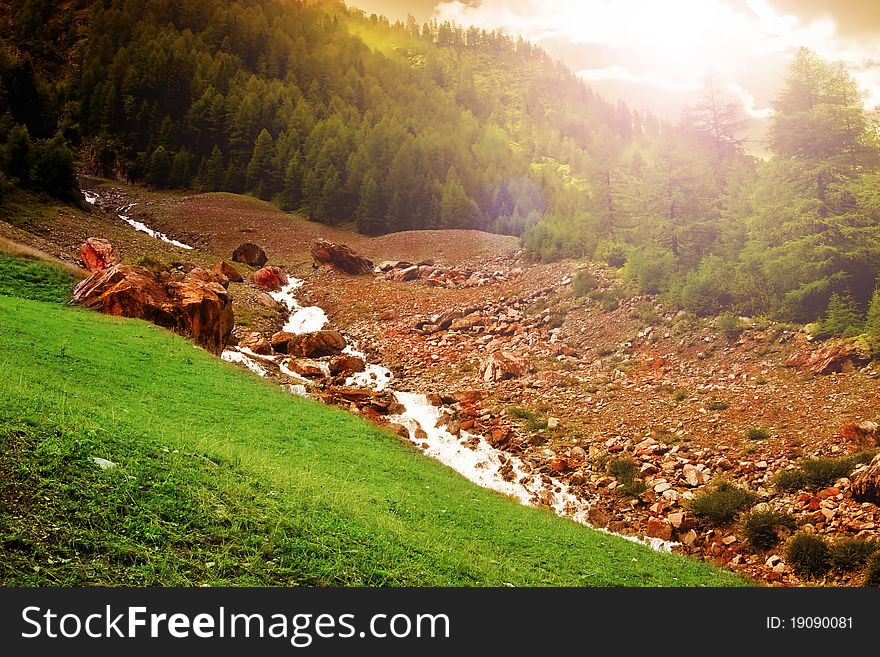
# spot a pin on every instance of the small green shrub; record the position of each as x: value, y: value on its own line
x: 761, y: 528
x: 555, y: 321
x: 729, y: 325
x: 533, y: 421
x: 851, y: 554
x: 872, y: 574
x: 612, y: 253
x: 718, y: 405
x: 623, y: 469
x: 148, y: 262
x: 584, y: 282
x: 521, y: 413
x: 680, y: 394
x: 822, y: 472
x: 758, y: 433
x: 707, y: 290
x: 808, y: 555
x: 651, y: 269
x: 632, y: 488
x: 790, y: 480
x: 607, y: 299
x: 645, y: 313
x: 721, y: 504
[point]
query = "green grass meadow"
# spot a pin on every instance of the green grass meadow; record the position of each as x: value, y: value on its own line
x: 223, y: 479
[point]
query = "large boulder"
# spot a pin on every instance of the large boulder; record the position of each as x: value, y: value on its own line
x: 201, y: 309
x: 312, y: 369
x: 230, y: 272
x: 340, y: 256
x: 250, y: 254
x: 270, y: 278
x: 208, y: 276
x: 97, y: 254
x: 833, y: 356
x: 866, y: 484
x: 347, y: 364
x: 501, y: 365
x: 309, y: 345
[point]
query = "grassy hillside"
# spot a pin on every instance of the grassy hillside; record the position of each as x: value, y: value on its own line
x: 223, y: 479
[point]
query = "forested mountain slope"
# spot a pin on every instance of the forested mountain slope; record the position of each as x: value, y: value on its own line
x: 351, y: 119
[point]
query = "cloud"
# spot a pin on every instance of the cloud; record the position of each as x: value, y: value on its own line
x: 624, y: 74
x: 748, y: 102
x: 672, y: 44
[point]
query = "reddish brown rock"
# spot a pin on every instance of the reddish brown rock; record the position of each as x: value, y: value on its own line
x: 250, y: 254
x: 500, y: 437
x: 198, y: 273
x: 309, y: 345
x: 659, y: 528
x: 501, y: 365
x: 270, y: 278
x: 257, y: 343
x: 467, y: 396
x: 98, y: 254
x: 340, y: 256
x: 833, y: 356
x: 230, y: 272
x: 866, y: 484
x: 866, y: 434
x: 347, y: 364
x: 194, y: 307
x: 406, y: 274
x: 308, y: 368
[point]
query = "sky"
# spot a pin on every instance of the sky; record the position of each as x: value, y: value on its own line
x: 652, y: 54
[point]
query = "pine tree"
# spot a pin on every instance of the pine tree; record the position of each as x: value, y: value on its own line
x: 842, y: 319
x: 54, y: 170
x: 371, y: 209
x: 212, y: 172
x: 457, y: 209
x: 159, y: 167
x: 717, y: 119
x: 262, y: 175
x: 872, y: 323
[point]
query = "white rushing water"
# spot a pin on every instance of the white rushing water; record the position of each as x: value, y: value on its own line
x: 142, y: 227
x: 306, y: 319
x: 469, y: 454
x: 92, y: 199
x: 235, y: 356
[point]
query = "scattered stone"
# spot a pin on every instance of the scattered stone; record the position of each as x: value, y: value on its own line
x: 97, y: 254
x: 501, y: 365
x: 659, y: 528
x: 340, y: 256
x: 866, y: 434
x: 104, y: 464
x: 309, y: 345
x: 230, y: 272
x: 311, y: 369
x: 250, y: 254
x: 257, y: 343
x: 270, y: 278
x: 346, y: 364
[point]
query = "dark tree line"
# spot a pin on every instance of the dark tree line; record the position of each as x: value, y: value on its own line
x: 349, y: 118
